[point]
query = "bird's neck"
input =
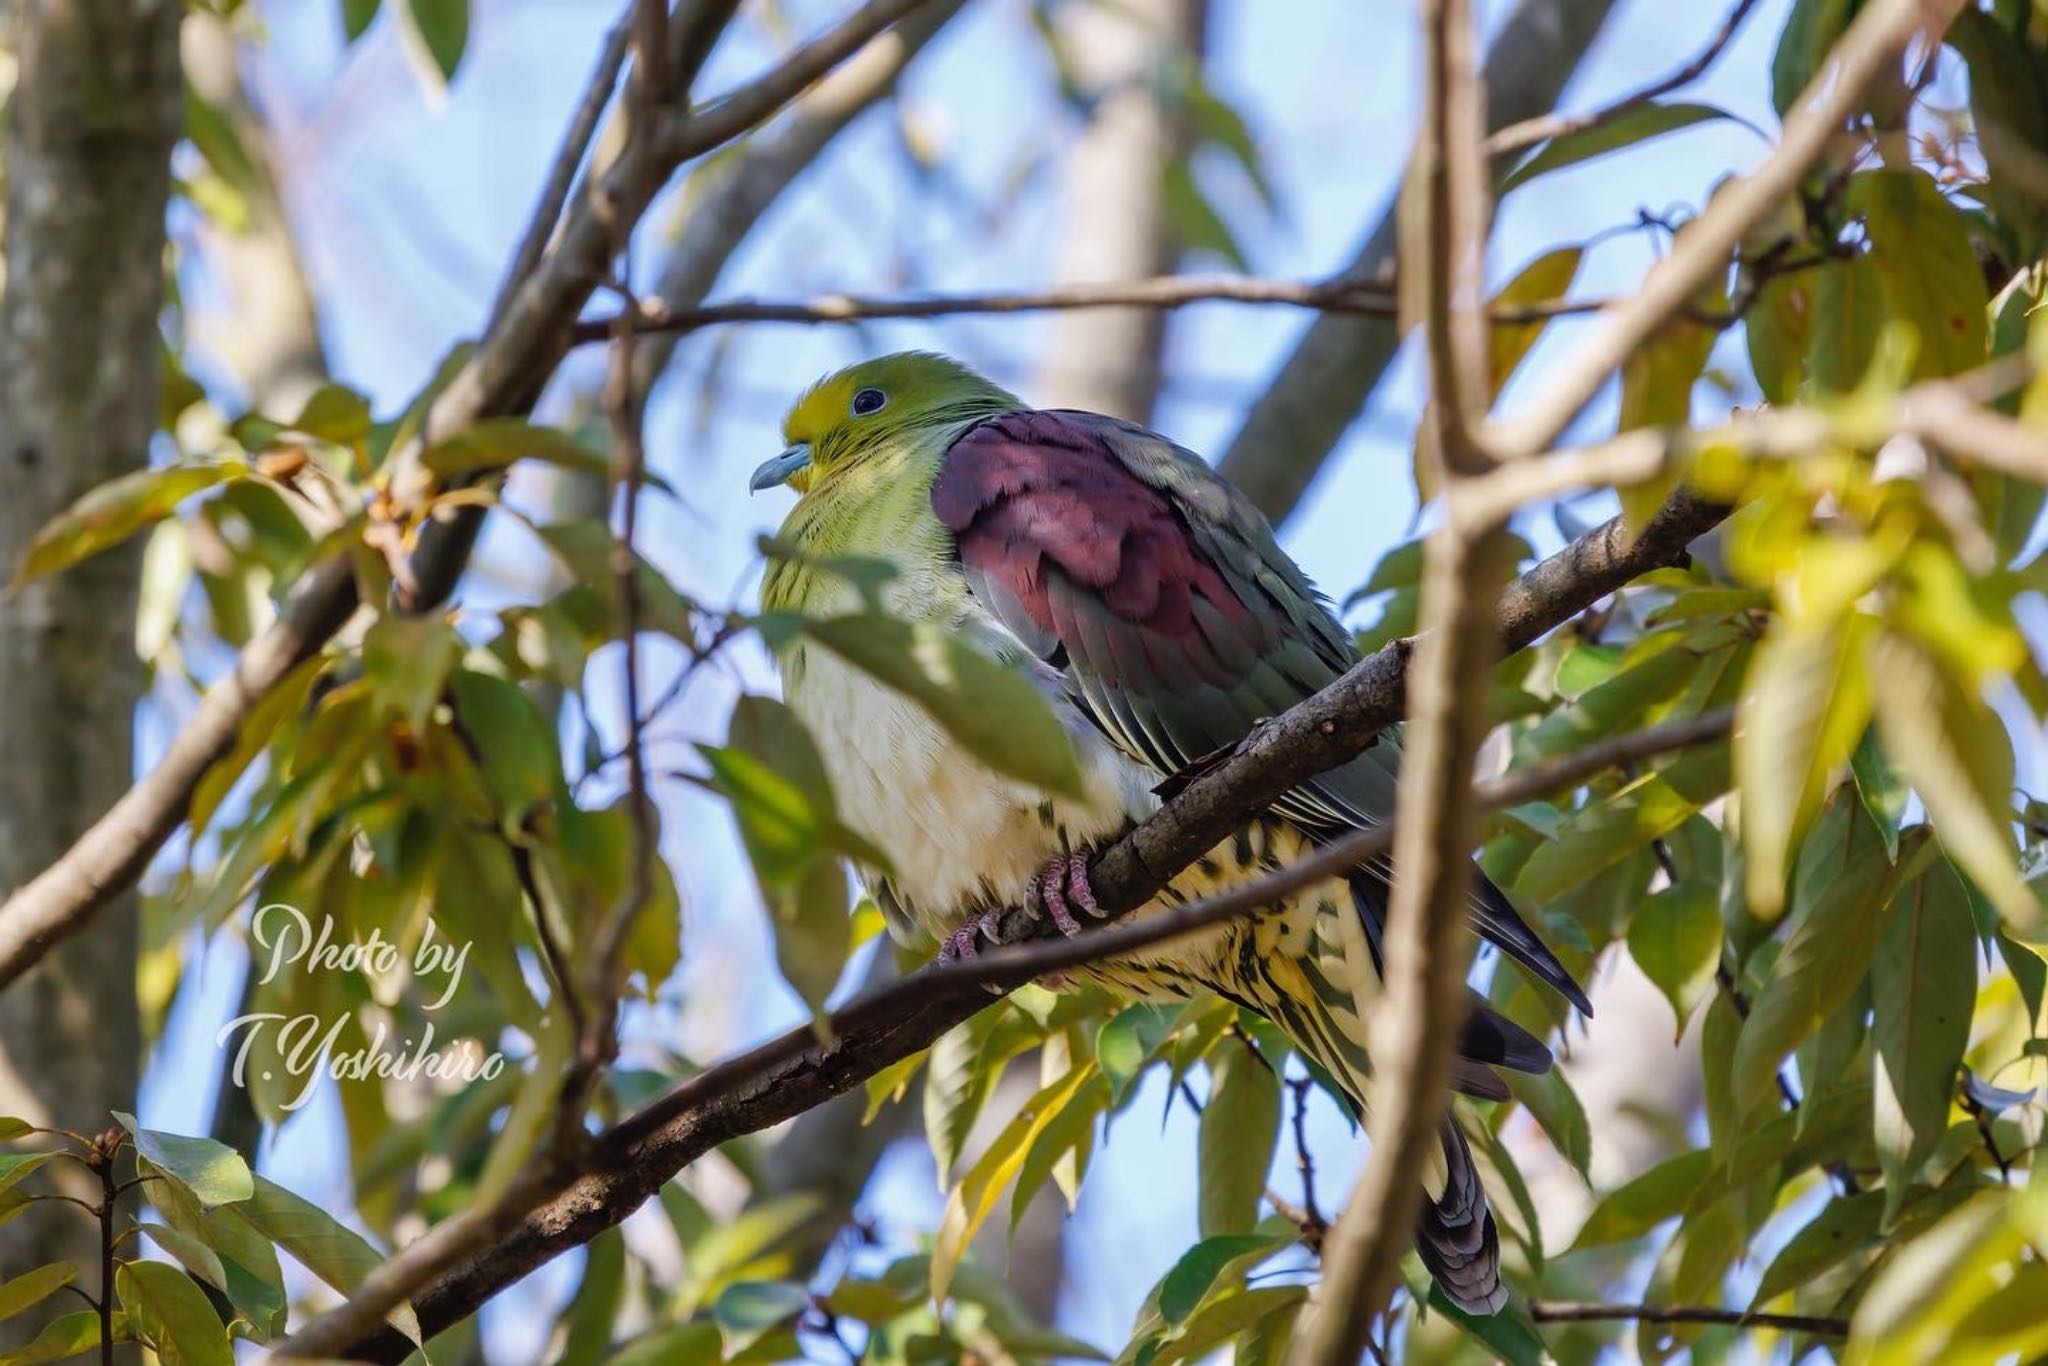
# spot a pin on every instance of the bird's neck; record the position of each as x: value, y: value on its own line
x: 878, y: 508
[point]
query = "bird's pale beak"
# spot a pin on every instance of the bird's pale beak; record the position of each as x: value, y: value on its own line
x: 778, y: 471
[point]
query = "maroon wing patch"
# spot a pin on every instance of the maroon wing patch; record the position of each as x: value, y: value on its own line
x: 1033, y: 497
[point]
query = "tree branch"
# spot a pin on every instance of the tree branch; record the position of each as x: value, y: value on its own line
x: 1559, y: 1311
x: 794, y: 1073
x: 1427, y: 946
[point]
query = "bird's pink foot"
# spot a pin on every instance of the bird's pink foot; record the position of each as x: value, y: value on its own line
x: 963, y: 943
x: 1058, y: 887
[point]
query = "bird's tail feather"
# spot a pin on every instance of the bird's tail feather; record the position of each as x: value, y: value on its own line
x: 1320, y: 999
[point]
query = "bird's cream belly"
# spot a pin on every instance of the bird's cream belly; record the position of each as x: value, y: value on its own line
x: 959, y: 836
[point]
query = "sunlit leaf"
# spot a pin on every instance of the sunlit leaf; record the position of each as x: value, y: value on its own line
x: 1920, y: 249
x: 116, y: 510
x: 33, y: 1287
x: 1806, y: 702
x: 214, y: 1173
x: 171, y: 1315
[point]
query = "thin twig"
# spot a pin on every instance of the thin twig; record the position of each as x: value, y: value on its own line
x: 1529, y: 132
x: 1560, y: 1311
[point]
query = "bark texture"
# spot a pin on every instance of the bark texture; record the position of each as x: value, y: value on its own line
x: 88, y: 174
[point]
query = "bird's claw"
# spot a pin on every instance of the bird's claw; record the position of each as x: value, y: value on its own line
x: 1064, y: 879
x: 964, y: 943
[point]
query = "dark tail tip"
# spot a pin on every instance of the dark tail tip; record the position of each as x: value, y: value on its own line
x: 1456, y: 1235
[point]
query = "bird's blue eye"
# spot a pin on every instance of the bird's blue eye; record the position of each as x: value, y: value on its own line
x: 868, y: 401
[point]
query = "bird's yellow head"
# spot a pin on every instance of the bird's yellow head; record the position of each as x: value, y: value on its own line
x: 871, y: 407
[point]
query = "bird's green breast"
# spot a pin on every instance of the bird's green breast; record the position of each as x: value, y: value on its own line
x: 875, y: 508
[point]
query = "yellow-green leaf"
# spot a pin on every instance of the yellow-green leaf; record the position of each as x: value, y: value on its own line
x: 107, y: 515
x: 1920, y: 249
x: 172, y: 1316
x: 970, y: 1202
x: 1807, y: 701
x: 1240, y: 1125
x: 33, y: 1287
x: 1951, y: 747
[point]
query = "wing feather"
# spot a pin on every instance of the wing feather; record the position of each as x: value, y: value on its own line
x: 1161, y: 596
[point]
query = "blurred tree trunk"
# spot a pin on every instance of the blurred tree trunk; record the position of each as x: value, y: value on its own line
x: 1132, y: 61
x: 1332, y: 371
x: 89, y: 138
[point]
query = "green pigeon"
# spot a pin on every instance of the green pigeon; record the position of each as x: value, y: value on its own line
x: 1150, y: 603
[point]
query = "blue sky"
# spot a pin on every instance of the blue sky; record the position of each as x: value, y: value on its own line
x: 408, y: 201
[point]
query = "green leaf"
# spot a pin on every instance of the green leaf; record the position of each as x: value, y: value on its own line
x: 1923, y: 988
x: 1884, y: 796
x: 1611, y: 828
x: 66, y: 1336
x: 749, y: 1310
x: 1225, y: 1317
x: 335, y: 1253
x: 782, y: 799
x: 1920, y: 249
x: 1508, y: 1335
x: 406, y: 660
x: 691, y: 1344
x: 1778, y: 329
x: 989, y: 707
x: 15, y: 1166
x: 33, y: 1287
x: 1848, y: 311
x: 1240, y: 1126
x: 1810, y: 30
x: 12, y: 1128
x: 1126, y: 1040
x: 498, y: 443
x: 1834, y: 937
x: 213, y: 1172
x: 107, y: 515
x: 1675, y: 938
x: 255, y: 1282
x: 1954, y: 751
x: 1847, y: 1224
x: 1661, y: 1193
x: 522, y: 763
x: 1807, y: 700
x: 356, y: 17
x: 196, y: 1257
x: 172, y: 1316
x: 1557, y: 1110
x: 334, y: 413
x: 442, y: 28
x: 1185, y: 1286
x: 1635, y: 125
